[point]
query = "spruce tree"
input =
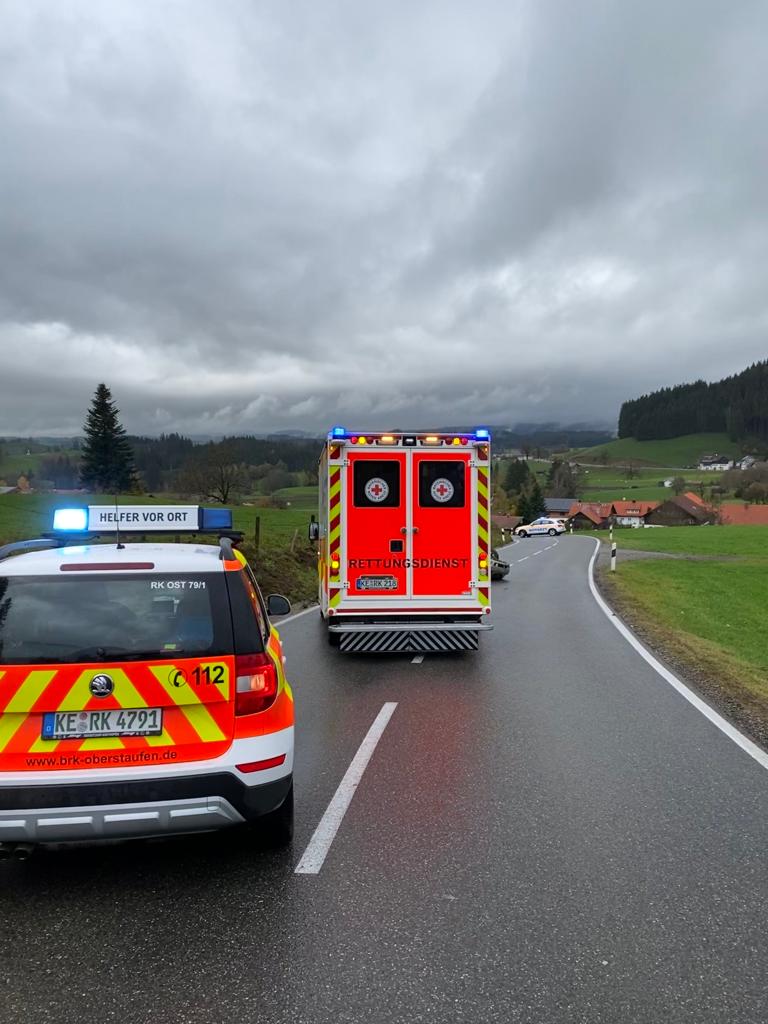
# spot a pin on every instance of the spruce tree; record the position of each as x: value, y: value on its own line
x: 516, y: 476
x: 538, y: 508
x: 107, y: 457
x: 532, y: 502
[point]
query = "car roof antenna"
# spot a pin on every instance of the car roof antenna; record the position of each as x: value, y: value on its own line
x: 120, y: 547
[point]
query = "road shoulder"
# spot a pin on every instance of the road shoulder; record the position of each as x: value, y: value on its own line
x: 716, y: 682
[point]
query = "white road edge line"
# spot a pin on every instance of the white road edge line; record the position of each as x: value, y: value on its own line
x: 296, y: 615
x: 314, y: 856
x: 714, y: 717
x: 417, y: 660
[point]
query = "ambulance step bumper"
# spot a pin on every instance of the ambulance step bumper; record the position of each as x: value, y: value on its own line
x: 409, y: 639
x: 119, y: 821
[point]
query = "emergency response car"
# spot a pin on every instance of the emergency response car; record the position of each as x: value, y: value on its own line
x: 541, y: 527
x: 404, y: 540
x: 142, y: 689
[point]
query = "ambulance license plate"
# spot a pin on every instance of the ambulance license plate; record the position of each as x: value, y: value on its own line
x: 377, y: 583
x: 80, y: 725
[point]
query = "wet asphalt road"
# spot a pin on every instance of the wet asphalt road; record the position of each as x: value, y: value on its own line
x: 546, y: 832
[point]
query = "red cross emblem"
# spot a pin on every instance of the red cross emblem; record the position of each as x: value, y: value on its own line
x: 442, y: 490
x: 376, y: 489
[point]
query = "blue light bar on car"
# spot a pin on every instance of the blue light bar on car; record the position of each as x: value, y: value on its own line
x: 215, y: 518
x: 70, y: 520
x: 338, y: 432
x: 483, y: 434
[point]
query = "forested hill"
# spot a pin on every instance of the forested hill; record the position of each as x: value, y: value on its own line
x: 737, y: 405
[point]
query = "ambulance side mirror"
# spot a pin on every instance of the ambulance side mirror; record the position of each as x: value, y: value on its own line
x: 278, y: 605
x: 314, y: 529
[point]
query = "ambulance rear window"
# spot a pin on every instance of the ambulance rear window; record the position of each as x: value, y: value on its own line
x: 49, y: 620
x: 441, y: 483
x: 377, y: 483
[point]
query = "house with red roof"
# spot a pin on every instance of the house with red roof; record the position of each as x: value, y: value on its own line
x: 744, y: 515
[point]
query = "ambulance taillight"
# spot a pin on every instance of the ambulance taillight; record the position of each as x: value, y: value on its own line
x: 256, y: 683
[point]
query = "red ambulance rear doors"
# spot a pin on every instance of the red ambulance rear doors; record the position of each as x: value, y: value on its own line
x: 377, y: 522
x: 442, y: 558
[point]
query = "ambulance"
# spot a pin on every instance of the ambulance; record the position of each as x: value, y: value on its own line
x: 404, y: 540
x: 142, y: 688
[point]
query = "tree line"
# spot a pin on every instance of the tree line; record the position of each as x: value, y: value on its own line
x: 737, y: 406
x: 111, y: 461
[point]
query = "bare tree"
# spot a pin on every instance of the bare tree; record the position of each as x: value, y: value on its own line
x: 215, y: 475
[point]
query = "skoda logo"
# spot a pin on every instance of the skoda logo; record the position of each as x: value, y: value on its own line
x: 102, y: 685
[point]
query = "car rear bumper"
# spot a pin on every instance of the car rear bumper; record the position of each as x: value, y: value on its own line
x: 120, y: 810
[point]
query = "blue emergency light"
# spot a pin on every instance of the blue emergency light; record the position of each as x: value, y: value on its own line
x: 70, y: 520
x: 215, y: 518
x: 338, y: 432
x: 483, y: 434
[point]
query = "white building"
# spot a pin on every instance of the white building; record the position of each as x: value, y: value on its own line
x: 715, y: 462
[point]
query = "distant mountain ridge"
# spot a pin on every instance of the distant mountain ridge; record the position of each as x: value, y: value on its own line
x: 737, y: 406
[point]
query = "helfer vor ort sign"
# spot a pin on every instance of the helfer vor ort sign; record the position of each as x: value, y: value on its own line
x: 142, y: 518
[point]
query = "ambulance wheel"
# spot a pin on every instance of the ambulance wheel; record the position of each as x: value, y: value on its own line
x: 521, y: 533
x: 276, y: 828
x: 552, y: 533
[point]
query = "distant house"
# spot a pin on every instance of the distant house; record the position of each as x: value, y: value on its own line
x: 744, y: 515
x: 506, y: 523
x: 669, y: 482
x: 587, y: 519
x: 747, y: 462
x: 590, y: 515
x: 682, y: 510
x: 558, y: 507
x: 715, y: 462
x: 8, y: 490
x: 632, y: 513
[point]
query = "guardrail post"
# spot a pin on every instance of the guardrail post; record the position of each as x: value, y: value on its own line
x: 613, y: 556
x: 257, y: 533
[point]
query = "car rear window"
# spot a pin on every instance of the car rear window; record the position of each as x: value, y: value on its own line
x: 50, y: 620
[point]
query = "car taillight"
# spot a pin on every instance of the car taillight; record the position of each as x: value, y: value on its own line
x: 256, y: 686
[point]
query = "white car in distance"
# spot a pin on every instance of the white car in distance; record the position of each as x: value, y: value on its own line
x: 541, y: 527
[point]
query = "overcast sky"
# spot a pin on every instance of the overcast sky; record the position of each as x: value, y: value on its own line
x: 253, y: 215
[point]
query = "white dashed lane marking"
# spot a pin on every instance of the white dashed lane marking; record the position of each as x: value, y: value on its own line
x: 320, y: 843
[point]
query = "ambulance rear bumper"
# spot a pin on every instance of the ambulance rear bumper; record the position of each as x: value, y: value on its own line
x: 121, y: 810
x: 408, y: 637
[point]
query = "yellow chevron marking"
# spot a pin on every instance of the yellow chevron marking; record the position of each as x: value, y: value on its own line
x: 185, y: 698
x: 199, y: 717
x: 16, y: 713
x: 102, y: 743
x: 163, y: 740
x: 9, y: 724
x: 30, y: 690
x: 483, y: 597
x: 335, y: 598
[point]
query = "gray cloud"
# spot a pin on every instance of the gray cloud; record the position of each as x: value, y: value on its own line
x: 252, y: 216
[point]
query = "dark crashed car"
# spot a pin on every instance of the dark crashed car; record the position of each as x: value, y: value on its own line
x: 499, y: 568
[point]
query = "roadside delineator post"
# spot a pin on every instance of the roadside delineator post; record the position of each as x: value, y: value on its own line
x: 613, y: 556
